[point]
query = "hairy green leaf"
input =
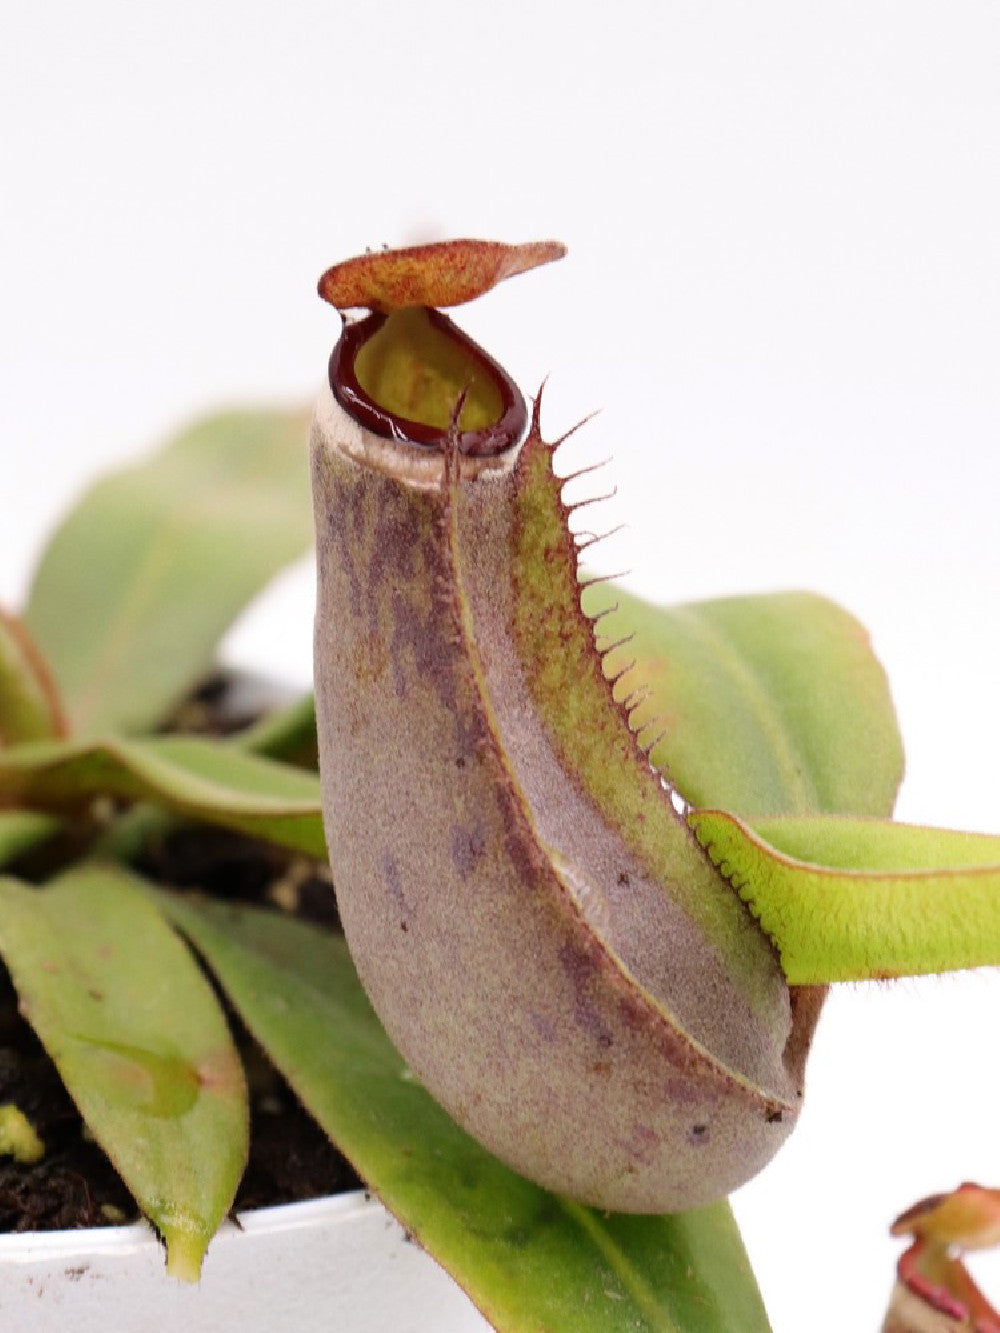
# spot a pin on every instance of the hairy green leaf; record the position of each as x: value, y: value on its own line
x: 771, y: 704
x: 144, y: 576
x: 200, y: 779
x: 529, y: 1259
x: 140, y: 1042
x: 846, y: 899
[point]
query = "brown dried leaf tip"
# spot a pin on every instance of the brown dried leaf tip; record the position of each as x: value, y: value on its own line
x: 445, y: 273
x: 934, y: 1290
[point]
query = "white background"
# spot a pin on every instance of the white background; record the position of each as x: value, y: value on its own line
x: 783, y: 291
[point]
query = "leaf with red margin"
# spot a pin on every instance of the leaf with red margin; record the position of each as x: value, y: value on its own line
x: 846, y: 899
x: 30, y: 708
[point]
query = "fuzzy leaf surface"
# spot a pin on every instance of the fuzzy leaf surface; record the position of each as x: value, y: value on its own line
x: 444, y: 273
x: 140, y: 1043
x: 771, y: 704
x: 529, y: 1260
x: 200, y: 779
x: 847, y: 899
x: 143, y: 577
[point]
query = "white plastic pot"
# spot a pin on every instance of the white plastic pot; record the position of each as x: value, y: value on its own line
x: 331, y: 1264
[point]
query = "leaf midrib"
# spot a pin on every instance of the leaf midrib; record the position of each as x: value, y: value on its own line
x: 643, y: 1296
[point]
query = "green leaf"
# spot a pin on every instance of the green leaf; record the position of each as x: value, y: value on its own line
x: 847, y: 899
x: 769, y: 704
x: 140, y: 1042
x: 144, y: 576
x: 21, y: 830
x: 201, y: 779
x: 775, y: 706
x: 29, y: 706
x: 529, y: 1259
x: 288, y: 734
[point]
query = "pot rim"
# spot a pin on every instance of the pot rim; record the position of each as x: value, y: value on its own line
x: 30, y: 1246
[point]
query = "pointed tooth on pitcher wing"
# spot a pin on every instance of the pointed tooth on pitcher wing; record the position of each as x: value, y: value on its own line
x: 542, y: 936
x: 553, y: 642
x: 479, y: 941
x: 667, y: 924
x: 776, y: 702
x: 571, y: 712
x: 848, y: 899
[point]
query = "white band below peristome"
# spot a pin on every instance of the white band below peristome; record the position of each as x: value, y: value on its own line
x: 419, y: 466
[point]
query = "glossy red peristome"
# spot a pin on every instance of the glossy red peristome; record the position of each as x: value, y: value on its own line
x: 499, y: 435
x: 34, y: 709
x: 445, y: 273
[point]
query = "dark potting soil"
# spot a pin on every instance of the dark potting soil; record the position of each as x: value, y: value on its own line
x: 74, y: 1184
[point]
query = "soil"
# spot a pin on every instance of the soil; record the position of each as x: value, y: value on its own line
x: 74, y: 1184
